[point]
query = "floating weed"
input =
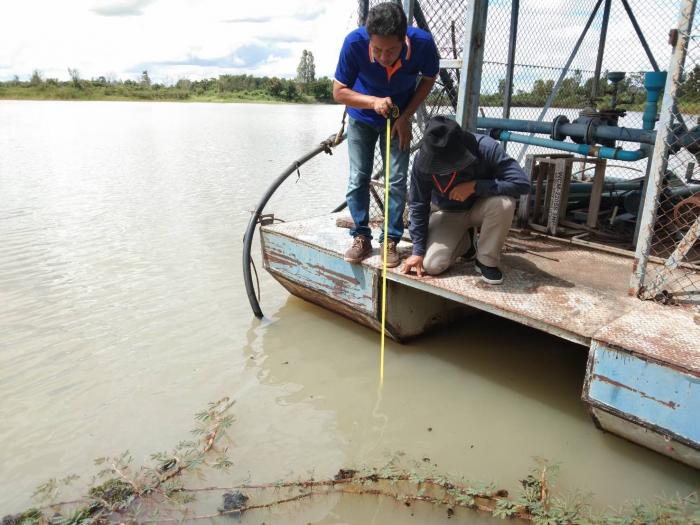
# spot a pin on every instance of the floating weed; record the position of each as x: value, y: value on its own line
x: 505, y: 509
x: 28, y: 517
x: 115, y: 494
x: 132, y: 495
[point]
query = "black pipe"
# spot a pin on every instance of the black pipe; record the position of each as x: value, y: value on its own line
x: 362, y: 11
x: 250, y: 230
x: 340, y: 207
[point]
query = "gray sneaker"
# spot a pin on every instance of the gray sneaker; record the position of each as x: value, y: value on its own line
x: 392, y: 254
x: 361, y: 249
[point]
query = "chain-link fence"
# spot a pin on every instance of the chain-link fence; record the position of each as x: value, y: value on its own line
x: 546, y: 35
x: 445, y: 21
x: 668, y: 267
x: 560, y: 47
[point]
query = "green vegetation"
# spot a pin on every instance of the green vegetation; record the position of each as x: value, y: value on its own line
x: 575, y: 93
x: 164, y: 491
x: 225, y: 88
x: 306, y: 70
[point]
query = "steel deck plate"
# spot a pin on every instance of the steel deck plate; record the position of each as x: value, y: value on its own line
x: 571, y: 291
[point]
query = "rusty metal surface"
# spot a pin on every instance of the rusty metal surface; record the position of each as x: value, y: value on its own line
x: 678, y: 256
x: 568, y: 290
x: 621, y: 426
x: 321, y: 270
x: 415, y: 314
x: 662, y: 399
x: 327, y: 302
x: 666, y: 334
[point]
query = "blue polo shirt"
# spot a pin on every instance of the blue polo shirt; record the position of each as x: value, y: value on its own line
x: 360, y: 72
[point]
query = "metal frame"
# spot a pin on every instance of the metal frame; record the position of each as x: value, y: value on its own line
x: 510, y: 67
x: 601, y: 49
x: 564, y: 72
x: 660, y: 159
x: 640, y: 35
x: 408, y: 9
x: 470, y: 76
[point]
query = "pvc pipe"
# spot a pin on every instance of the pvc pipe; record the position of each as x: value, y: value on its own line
x: 641, y: 136
x: 654, y: 82
x: 526, y: 126
x: 602, y: 152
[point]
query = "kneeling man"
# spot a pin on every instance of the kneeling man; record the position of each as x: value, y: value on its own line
x: 471, y: 183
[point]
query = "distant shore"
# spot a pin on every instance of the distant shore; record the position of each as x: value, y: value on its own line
x: 137, y: 93
x: 64, y: 95
x: 215, y: 100
x: 226, y: 88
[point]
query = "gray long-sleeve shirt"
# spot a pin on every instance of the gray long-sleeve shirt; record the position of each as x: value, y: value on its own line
x: 495, y: 173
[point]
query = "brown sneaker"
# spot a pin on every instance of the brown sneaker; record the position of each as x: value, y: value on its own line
x: 361, y: 249
x: 392, y: 254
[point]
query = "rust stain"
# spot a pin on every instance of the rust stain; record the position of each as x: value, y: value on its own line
x: 340, y: 282
x: 329, y: 303
x: 669, y: 404
x: 337, y: 275
x: 279, y: 258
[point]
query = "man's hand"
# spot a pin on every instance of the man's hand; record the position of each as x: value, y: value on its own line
x: 463, y: 191
x: 402, y: 126
x: 382, y: 106
x: 413, y: 262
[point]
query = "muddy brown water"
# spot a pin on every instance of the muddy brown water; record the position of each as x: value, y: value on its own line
x: 122, y: 313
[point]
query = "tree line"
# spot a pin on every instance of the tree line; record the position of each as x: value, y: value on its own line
x: 573, y: 93
x: 304, y: 88
x: 234, y: 87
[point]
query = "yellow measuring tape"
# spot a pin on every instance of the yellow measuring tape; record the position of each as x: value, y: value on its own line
x: 384, y: 244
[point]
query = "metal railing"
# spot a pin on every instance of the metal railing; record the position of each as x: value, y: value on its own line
x: 539, y: 60
x: 667, y: 265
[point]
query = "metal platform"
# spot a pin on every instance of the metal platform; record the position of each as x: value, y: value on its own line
x: 643, y: 379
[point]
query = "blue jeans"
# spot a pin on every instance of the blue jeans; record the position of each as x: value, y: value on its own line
x: 362, y: 139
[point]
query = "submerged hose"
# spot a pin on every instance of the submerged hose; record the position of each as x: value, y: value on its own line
x: 326, y: 146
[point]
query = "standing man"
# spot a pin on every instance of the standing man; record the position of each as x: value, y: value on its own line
x: 378, y: 68
x: 471, y: 182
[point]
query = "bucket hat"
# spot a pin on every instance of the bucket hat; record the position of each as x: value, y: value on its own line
x: 445, y: 147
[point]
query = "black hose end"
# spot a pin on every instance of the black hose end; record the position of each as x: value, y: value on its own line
x: 495, y: 133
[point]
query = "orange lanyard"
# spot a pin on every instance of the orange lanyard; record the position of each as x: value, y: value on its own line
x: 452, y: 179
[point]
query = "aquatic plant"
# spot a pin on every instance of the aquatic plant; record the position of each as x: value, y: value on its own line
x: 158, y: 493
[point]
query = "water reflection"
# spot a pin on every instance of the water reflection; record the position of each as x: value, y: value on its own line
x: 481, y: 399
x: 122, y: 313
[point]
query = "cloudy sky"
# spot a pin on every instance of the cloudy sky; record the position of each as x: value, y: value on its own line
x: 175, y: 39
x: 172, y: 39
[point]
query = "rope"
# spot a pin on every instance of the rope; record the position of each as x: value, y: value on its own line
x: 341, y: 131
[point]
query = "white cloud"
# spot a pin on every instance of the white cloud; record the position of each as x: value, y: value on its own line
x: 174, y: 38
x: 548, y: 30
x: 120, y: 7
x: 204, y: 38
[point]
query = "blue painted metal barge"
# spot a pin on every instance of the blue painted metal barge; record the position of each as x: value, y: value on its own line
x: 633, y: 305
x: 643, y: 377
